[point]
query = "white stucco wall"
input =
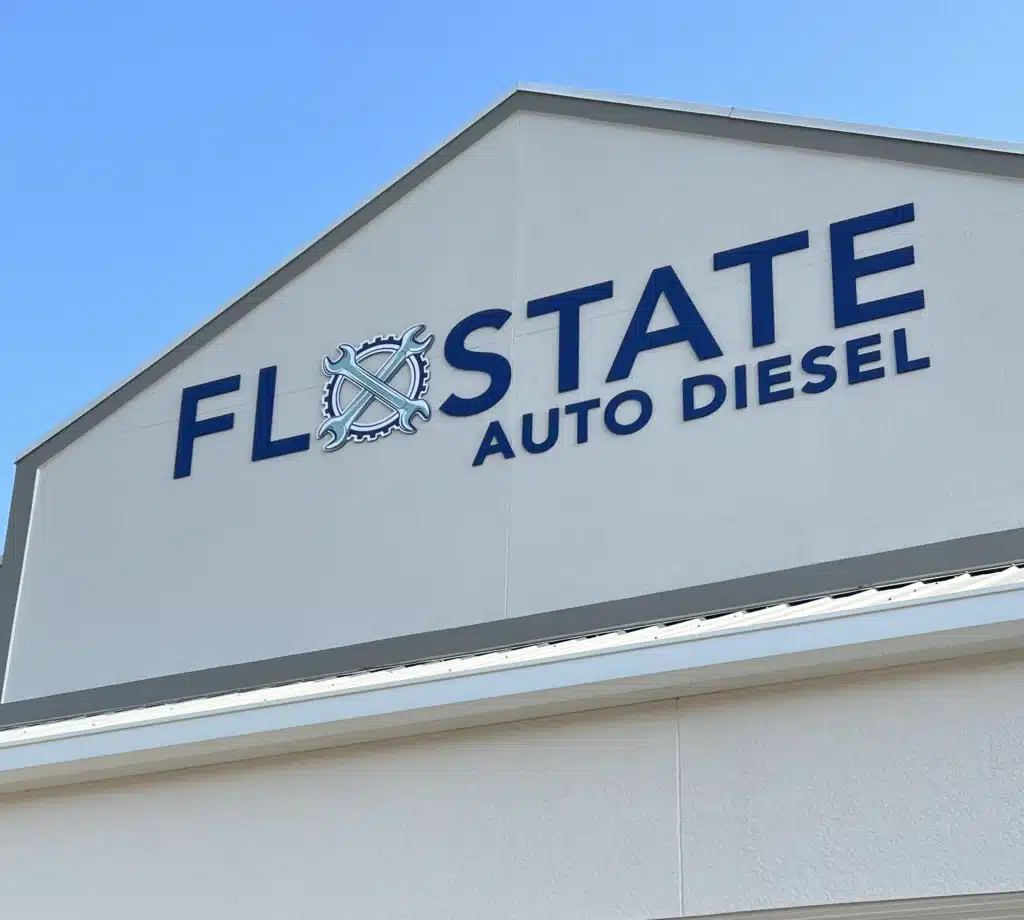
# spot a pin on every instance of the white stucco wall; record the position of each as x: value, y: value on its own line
x: 907, y: 784
x: 902, y: 783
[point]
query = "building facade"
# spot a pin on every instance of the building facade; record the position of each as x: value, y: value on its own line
x: 617, y: 516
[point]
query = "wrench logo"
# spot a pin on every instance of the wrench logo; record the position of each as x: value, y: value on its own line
x: 366, y: 398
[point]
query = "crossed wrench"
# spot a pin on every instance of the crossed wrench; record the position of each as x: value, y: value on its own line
x: 375, y: 387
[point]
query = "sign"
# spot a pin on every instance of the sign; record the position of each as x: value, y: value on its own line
x: 770, y: 380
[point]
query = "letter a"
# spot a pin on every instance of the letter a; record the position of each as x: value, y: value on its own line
x: 495, y: 442
x: 690, y: 325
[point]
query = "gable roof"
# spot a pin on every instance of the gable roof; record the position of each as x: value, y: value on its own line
x: 916, y: 148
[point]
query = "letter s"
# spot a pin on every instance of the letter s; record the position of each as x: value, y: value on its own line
x: 485, y: 362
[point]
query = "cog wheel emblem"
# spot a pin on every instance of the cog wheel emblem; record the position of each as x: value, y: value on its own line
x: 375, y: 388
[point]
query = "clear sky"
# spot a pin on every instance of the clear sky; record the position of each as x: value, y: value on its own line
x: 156, y: 159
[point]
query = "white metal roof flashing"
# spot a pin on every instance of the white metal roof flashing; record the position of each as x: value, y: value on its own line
x: 964, y: 614
x: 689, y: 630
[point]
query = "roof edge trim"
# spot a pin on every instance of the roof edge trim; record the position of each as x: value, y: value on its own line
x: 779, y: 118
x: 863, y: 640
x: 254, y: 290
x: 516, y: 100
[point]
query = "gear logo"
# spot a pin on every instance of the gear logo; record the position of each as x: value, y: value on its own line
x: 375, y: 388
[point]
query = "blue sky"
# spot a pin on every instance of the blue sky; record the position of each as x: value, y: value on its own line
x: 157, y: 159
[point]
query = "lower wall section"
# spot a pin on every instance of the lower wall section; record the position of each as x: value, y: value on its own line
x: 567, y: 817
x: 901, y: 783
x: 907, y: 783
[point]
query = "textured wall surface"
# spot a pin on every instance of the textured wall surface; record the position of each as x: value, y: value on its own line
x: 904, y: 783
x: 568, y: 818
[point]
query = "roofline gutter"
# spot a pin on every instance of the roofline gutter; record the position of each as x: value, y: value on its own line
x: 166, y: 738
